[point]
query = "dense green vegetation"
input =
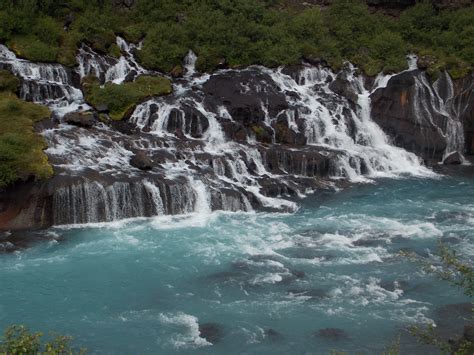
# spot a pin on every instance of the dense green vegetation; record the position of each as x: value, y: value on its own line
x: 243, y: 32
x: 120, y: 99
x: 21, y: 149
x: 19, y: 340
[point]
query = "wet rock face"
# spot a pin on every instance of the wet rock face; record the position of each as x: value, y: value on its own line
x: 250, y: 97
x: 464, y: 100
x: 405, y: 111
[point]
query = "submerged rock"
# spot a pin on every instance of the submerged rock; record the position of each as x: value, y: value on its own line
x: 212, y: 332
x: 334, y: 334
x: 272, y: 335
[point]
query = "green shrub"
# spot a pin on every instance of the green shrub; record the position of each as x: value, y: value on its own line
x: 32, y: 48
x: 19, y: 340
x: 21, y: 149
x: 243, y: 32
x: 8, y: 81
x: 120, y: 99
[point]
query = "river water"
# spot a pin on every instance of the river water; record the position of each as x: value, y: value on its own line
x: 261, y: 283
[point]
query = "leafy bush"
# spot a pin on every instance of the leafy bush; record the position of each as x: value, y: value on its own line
x: 120, y: 99
x: 33, y: 49
x: 244, y: 32
x: 19, y: 340
x: 21, y: 149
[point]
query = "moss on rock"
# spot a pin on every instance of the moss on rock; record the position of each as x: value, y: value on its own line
x: 120, y: 99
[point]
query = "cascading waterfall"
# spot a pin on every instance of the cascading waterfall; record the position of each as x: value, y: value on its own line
x: 107, y: 68
x: 201, y: 168
x: 49, y: 84
x: 369, y: 152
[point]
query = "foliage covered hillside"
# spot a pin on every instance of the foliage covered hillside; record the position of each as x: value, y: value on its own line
x: 242, y: 32
x: 21, y: 149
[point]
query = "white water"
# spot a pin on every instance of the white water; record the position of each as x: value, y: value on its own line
x: 361, y: 150
x: 370, y: 147
x: 49, y: 84
x: 190, y: 63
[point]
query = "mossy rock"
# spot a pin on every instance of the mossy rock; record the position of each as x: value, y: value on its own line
x: 21, y: 149
x: 8, y: 81
x: 177, y: 71
x: 121, y: 99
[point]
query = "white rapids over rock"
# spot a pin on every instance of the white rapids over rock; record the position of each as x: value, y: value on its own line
x: 199, y: 168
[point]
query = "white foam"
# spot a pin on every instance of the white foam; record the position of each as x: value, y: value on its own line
x: 186, y: 330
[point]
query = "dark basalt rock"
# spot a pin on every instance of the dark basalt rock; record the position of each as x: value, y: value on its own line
x: 342, y: 86
x: 141, y: 161
x: 212, y: 332
x: 453, y: 159
x: 464, y: 98
x: 236, y: 91
x: 81, y: 119
x: 334, y: 334
x: 396, y: 110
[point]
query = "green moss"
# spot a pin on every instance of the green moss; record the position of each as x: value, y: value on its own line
x: 259, y: 131
x: 33, y: 49
x: 21, y: 149
x: 8, y: 81
x: 69, y: 43
x: 120, y: 99
x: 115, y: 51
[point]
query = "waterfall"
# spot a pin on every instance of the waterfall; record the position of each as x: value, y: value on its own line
x: 262, y: 138
x: 44, y: 83
x: 366, y: 151
x: 110, y: 69
x: 190, y: 63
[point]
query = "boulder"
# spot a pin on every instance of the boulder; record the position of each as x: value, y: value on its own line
x: 212, y: 332
x: 343, y: 87
x: 141, y: 161
x: 82, y: 119
x: 102, y: 108
x: 453, y: 159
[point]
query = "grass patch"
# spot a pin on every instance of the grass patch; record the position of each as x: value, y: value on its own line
x: 120, y: 99
x: 21, y: 149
